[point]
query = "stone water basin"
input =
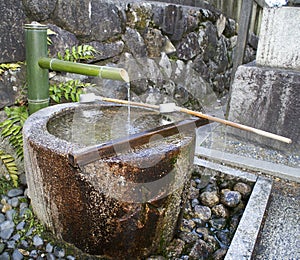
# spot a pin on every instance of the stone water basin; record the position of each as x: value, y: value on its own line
x: 106, y: 194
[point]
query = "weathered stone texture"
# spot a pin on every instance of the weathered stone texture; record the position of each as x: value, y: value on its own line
x: 105, y: 20
x: 279, y: 38
x: 61, y: 40
x: 107, y: 50
x: 189, y: 47
x: 10, y: 83
x: 6, y: 96
x: 11, y: 31
x: 73, y: 16
x: 172, y: 21
x: 39, y: 10
x: 267, y: 99
x: 135, y: 43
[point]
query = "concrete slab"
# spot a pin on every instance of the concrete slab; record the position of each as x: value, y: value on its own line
x: 225, y: 169
x: 280, y: 235
x: 278, y: 170
x: 278, y: 45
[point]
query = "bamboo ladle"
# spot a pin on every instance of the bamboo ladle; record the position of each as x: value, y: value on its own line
x: 171, y: 107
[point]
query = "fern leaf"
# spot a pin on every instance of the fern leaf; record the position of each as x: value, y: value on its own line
x: 11, y: 167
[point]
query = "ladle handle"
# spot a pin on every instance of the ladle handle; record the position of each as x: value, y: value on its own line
x: 131, y: 103
x: 237, y: 125
x: 208, y: 117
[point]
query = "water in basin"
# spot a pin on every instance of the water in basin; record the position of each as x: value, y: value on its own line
x: 90, y: 126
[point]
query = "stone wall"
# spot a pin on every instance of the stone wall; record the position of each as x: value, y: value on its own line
x: 171, y: 51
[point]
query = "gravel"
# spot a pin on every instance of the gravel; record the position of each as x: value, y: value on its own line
x: 225, y: 141
x: 210, y: 218
x: 212, y: 213
x: 19, y: 237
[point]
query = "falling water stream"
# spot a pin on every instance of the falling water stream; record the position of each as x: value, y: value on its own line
x: 128, y: 125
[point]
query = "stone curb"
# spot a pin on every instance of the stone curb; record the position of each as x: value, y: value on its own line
x: 243, y: 242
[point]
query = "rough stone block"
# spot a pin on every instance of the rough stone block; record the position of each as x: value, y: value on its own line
x: 11, y: 31
x: 267, y: 99
x: 279, y: 38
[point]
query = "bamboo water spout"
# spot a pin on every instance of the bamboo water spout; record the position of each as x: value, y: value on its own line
x: 38, y: 65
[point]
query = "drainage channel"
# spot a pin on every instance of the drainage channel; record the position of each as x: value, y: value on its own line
x: 243, y: 243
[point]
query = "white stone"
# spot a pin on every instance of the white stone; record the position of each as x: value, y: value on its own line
x: 278, y: 45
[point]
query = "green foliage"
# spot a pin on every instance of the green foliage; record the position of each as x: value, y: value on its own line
x: 31, y: 223
x: 78, y: 53
x: 11, y: 128
x: 9, y: 66
x: 69, y: 91
x: 5, y: 185
x: 11, y: 167
x: 49, y: 33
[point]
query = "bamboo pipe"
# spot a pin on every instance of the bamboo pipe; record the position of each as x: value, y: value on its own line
x: 104, y: 72
x: 171, y: 107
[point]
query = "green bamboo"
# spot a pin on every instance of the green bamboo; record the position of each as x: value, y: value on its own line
x: 37, y: 78
x: 38, y: 66
x: 104, y: 72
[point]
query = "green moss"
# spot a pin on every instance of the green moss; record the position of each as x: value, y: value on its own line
x: 5, y: 185
x: 139, y: 17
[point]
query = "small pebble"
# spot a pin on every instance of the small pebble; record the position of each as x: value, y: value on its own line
x: 15, y: 193
x: 230, y: 198
x: 220, y: 211
x: 10, y: 214
x: 24, y: 243
x: 242, y: 188
x: 23, y: 205
x: 6, y: 233
x: 11, y: 244
x: 59, y: 252
x: 37, y: 241
x: 202, y: 212
x: 2, y: 247
x: 195, y: 202
x: 29, y: 232
x: 49, y: 248
x: 21, y: 225
x: 51, y: 256
x: 6, y: 207
x: 34, y: 254
x: 2, y: 218
x: 16, y: 237
x: 5, y: 256
x: 209, y: 198
x: 17, y: 255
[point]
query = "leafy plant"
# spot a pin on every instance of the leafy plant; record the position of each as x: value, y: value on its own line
x: 78, y: 53
x: 32, y: 224
x: 49, y: 33
x: 11, y: 128
x: 69, y: 90
x: 9, y: 66
x: 11, y: 167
